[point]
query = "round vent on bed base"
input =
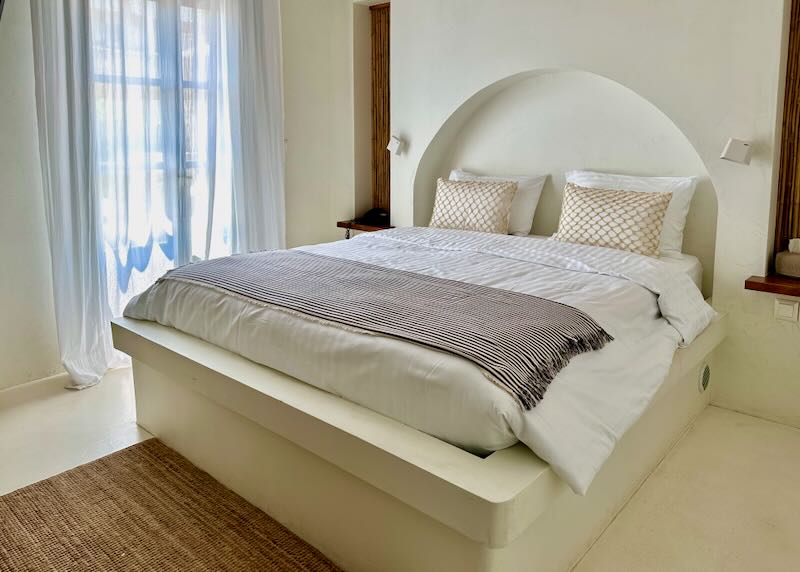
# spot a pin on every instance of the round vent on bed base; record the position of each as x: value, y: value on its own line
x: 704, y: 379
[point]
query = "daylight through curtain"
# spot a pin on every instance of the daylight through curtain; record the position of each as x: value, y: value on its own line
x: 161, y: 136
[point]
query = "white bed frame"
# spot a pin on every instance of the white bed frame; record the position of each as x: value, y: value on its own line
x: 372, y: 493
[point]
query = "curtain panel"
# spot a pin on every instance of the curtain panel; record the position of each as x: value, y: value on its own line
x: 161, y: 142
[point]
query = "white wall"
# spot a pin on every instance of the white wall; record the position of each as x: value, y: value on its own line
x: 318, y: 91
x: 713, y: 67
x: 28, y: 344
x: 554, y: 121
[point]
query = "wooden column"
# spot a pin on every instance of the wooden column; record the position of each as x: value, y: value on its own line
x: 380, y: 106
x: 787, y: 223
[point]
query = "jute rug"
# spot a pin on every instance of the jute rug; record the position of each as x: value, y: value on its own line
x: 145, y: 508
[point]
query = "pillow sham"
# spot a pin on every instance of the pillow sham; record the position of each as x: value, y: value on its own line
x: 624, y: 220
x: 529, y: 190
x: 473, y: 205
x: 682, y: 189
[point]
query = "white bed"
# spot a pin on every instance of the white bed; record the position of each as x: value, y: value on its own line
x: 587, y: 408
x: 373, y: 493
x: 365, y: 445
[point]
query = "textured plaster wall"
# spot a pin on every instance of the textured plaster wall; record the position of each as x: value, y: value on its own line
x: 318, y: 103
x: 713, y: 67
x: 28, y: 343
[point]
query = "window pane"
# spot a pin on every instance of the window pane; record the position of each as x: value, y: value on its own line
x: 124, y: 38
x: 150, y: 204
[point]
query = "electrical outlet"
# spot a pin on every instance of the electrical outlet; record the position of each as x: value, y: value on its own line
x: 787, y: 310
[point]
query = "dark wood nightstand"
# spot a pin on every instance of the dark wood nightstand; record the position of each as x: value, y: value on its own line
x: 351, y: 225
x: 775, y: 284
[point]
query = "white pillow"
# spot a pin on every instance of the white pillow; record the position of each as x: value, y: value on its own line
x: 682, y: 189
x: 529, y: 189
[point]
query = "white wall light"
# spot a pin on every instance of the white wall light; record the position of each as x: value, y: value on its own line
x: 395, y: 145
x: 737, y: 151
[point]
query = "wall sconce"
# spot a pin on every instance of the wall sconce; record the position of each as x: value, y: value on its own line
x: 737, y: 151
x: 395, y: 146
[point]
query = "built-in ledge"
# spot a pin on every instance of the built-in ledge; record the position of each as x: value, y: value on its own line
x: 774, y: 284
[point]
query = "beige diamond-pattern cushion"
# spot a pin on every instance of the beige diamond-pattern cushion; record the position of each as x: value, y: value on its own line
x: 473, y: 205
x: 625, y: 220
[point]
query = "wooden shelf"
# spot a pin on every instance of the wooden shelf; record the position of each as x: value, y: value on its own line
x: 352, y: 225
x: 774, y: 284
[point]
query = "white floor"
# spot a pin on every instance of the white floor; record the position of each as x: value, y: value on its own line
x: 46, y: 429
x: 726, y: 497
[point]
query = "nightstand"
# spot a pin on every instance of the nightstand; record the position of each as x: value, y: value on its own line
x: 774, y: 284
x: 351, y: 225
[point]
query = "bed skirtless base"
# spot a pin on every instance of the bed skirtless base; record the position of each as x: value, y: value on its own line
x: 374, y: 494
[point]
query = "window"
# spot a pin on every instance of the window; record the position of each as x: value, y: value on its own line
x: 163, y: 163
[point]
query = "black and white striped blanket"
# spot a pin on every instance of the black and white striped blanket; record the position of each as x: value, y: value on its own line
x: 520, y: 341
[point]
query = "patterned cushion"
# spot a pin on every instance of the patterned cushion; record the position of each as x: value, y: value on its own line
x: 473, y: 205
x: 625, y: 220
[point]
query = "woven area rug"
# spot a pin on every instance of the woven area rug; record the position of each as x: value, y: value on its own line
x: 145, y: 508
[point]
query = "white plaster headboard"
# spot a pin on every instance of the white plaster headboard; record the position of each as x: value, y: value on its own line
x: 550, y: 122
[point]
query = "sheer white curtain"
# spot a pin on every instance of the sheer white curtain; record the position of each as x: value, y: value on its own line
x: 161, y: 138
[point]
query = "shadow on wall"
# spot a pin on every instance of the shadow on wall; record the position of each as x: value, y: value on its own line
x: 553, y: 121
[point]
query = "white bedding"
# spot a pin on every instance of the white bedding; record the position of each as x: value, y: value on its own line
x: 688, y: 264
x: 587, y: 408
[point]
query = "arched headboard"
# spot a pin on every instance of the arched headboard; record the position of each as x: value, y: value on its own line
x: 553, y: 121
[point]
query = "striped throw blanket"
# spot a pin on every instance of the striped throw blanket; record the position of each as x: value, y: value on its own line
x: 520, y: 341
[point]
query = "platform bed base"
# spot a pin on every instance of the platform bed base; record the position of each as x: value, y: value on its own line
x: 373, y: 494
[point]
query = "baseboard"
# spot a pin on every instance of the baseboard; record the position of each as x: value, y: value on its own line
x: 58, y: 378
x: 762, y: 416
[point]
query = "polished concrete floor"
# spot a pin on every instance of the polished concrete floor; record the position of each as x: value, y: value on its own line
x: 46, y: 429
x: 726, y: 498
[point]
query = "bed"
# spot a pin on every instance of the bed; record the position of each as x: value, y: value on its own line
x: 391, y: 455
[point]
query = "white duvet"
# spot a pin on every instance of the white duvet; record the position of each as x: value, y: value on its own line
x: 649, y: 307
